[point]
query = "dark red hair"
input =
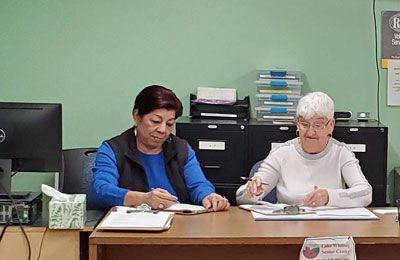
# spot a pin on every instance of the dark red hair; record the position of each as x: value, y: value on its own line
x: 155, y: 97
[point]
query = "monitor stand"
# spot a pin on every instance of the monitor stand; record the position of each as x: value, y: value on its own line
x: 5, y: 182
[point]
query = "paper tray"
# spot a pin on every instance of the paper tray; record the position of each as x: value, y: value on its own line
x: 278, y: 73
x: 239, y: 110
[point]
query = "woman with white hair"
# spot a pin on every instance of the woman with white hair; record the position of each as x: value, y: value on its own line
x: 313, y: 169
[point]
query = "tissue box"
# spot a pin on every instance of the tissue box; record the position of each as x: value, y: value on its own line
x: 68, y: 214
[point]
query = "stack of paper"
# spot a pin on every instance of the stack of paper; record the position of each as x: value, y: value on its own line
x: 222, y: 96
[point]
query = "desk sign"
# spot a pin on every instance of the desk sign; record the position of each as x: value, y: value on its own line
x: 324, y: 248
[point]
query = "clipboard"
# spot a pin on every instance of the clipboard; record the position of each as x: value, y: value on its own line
x: 287, y: 210
x: 266, y: 212
x: 136, y: 221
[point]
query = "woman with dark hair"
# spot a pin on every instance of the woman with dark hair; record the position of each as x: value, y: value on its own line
x: 148, y: 164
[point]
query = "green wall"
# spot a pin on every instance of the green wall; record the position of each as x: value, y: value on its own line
x: 95, y: 56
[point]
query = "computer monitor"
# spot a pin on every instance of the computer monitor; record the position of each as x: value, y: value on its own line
x: 30, y: 139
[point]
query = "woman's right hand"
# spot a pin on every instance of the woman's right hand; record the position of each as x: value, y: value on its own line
x: 160, y: 199
x: 255, y: 186
x: 156, y: 198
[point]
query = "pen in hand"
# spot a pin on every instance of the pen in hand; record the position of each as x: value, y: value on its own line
x: 250, y: 179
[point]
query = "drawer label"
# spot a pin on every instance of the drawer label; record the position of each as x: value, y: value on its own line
x: 358, y: 148
x: 274, y: 145
x: 212, y: 145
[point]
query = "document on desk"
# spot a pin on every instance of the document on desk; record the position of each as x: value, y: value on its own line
x: 149, y: 221
x: 266, y: 212
x: 186, y: 209
x: 386, y: 211
x: 178, y: 208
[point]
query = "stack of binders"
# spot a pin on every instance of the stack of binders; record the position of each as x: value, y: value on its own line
x: 278, y: 92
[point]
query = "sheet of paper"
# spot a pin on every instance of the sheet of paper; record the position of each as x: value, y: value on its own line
x: 263, y: 206
x: 393, y: 83
x: 137, y: 221
x: 184, y: 206
x: 123, y: 208
x: 385, y: 211
x: 177, y: 208
x: 319, y: 208
x: 221, y: 94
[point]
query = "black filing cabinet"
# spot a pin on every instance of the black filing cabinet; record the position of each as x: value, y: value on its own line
x: 368, y: 141
x: 221, y: 148
x: 264, y: 136
x: 227, y: 149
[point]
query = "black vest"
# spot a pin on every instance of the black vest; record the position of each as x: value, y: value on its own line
x: 132, y: 175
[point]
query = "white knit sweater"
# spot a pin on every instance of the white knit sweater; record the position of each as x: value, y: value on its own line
x: 295, y: 173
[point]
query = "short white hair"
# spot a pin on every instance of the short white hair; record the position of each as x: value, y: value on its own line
x: 315, y: 104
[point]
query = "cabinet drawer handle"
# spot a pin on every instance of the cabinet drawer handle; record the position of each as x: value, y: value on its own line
x: 212, y: 167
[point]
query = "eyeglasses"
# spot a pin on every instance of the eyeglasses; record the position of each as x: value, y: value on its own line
x: 317, y: 126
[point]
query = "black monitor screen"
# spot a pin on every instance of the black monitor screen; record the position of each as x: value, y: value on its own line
x: 30, y: 137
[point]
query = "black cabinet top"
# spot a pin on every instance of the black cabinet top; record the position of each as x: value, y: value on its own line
x: 255, y: 122
x: 186, y: 119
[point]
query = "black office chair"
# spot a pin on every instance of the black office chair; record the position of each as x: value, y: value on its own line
x: 76, y: 176
x: 271, y: 196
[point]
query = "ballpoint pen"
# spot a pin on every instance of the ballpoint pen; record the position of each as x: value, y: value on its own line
x: 250, y: 179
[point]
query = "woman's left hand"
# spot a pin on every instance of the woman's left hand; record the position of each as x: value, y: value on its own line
x: 316, y: 198
x: 215, y: 202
